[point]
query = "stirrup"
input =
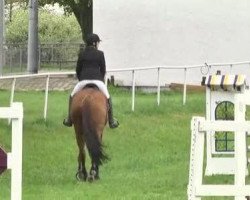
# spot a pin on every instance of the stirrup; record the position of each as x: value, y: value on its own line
x: 67, y: 122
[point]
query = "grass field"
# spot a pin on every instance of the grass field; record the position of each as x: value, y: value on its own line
x: 149, y: 151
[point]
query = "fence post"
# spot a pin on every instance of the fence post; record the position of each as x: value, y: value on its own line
x: 52, y: 52
x: 12, y: 91
x: 39, y: 56
x: 196, y: 158
x: 16, y: 154
x: 2, y: 26
x: 14, y: 157
x: 21, y: 58
x: 185, y: 87
x: 11, y: 60
x: 240, y: 150
x: 158, y: 87
x: 46, y: 98
x: 12, y: 95
x: 133, y: 90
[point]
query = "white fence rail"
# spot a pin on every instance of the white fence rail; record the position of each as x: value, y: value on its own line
x: 159, y: 69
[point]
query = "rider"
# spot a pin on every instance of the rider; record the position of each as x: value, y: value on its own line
x: 91, y: 69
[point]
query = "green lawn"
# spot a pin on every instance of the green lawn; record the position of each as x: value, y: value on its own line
x: 149, y: 151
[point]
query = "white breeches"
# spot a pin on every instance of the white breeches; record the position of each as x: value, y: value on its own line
x: 80, y: 85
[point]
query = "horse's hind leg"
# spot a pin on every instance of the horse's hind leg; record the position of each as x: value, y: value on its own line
x: 93, y: 173
x: 82, y: 174
x: 94, y: 170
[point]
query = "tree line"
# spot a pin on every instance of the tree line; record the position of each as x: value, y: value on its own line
x: 81, y: 9
x: 52, y: 28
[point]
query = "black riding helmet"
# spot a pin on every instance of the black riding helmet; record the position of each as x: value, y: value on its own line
x: 92, y: 38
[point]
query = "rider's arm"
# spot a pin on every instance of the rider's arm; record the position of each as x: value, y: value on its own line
x: 102, y: 65
x: 78, y: 67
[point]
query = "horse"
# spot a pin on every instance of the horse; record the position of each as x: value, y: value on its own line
x: 89, y: 117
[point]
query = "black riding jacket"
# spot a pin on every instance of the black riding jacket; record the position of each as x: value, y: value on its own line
x: 91, y: 64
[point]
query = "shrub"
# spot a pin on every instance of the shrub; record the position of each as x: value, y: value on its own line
x: 52, y: 28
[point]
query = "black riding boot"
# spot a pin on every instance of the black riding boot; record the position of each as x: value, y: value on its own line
x: 67, y: 121
x: 113, y: 123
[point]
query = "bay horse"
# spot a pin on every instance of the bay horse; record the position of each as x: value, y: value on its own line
x: 89, y: 117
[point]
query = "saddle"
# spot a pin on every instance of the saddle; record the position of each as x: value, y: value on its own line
x: 91, y: 85
x: 94, y: 86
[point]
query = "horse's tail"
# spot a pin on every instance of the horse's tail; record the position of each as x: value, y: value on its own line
x: 94, y: 144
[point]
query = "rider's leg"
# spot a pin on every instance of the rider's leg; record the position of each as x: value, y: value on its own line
x: 113, y: 123
x: 68, y: 121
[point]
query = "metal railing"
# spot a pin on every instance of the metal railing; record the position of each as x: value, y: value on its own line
x: 51, y: 55
x: 132, y: 70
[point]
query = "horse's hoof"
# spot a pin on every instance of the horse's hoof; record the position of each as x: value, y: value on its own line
x: 91, y: 178
x: 92, y: 175
x: 80, y: 176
